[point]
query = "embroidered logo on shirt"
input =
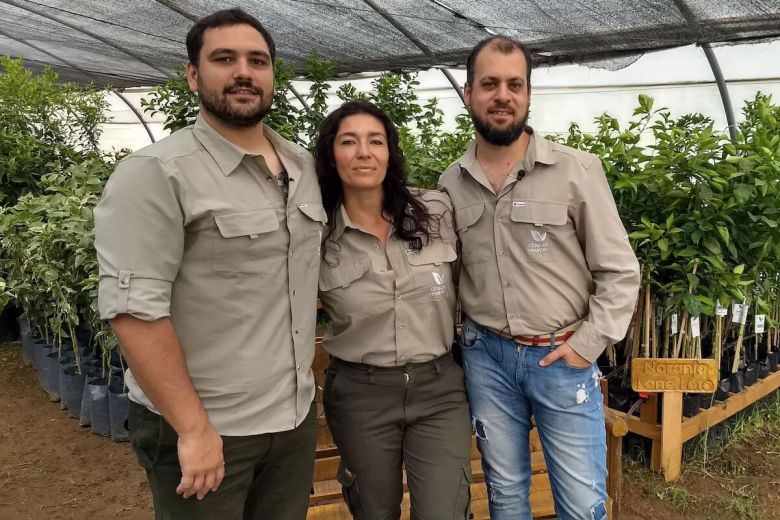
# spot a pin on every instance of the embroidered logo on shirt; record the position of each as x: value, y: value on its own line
x: 539, y: 244
x: 439, y: 289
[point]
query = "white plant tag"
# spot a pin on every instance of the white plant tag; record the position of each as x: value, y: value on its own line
x: 674, y: 324
x: 720, y: 310
x: 760, y: 322
x: 740, y: 316
x: 695, y: 327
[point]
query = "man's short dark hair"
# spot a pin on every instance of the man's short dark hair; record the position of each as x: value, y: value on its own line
x: 504, y: 45
x: 226, y: 17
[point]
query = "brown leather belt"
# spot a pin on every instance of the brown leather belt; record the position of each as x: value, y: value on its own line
x: 543, y: 340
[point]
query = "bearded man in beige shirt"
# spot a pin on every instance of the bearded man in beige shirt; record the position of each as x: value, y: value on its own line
x: 548, y: 280
x: 209, y: 251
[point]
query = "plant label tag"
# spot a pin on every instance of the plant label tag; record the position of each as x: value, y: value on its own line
x: 695, y: 327
x: 674, y: 324
x: 760, y: 321
x: 720, y: 310
x: 740, y: 316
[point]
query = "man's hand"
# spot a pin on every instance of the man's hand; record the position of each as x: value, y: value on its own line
x: 568, y: 354
x: 202, y: 462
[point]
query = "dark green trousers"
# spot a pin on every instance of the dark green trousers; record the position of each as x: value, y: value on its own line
x: 416, y: 416
x: 267, y: 477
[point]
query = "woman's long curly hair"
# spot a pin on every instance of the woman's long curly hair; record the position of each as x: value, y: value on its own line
x: 406, y: 212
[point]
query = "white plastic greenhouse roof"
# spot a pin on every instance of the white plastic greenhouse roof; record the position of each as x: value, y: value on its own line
x: 141, y: 42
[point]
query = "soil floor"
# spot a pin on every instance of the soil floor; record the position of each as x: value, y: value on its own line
x: 51, y: 468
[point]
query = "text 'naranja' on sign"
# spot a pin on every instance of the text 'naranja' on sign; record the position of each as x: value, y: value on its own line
x: 674, y: 375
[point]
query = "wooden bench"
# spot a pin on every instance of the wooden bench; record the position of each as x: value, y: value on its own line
x: 326, y: 502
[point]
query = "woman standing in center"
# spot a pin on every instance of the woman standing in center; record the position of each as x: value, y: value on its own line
x: 393, y: 393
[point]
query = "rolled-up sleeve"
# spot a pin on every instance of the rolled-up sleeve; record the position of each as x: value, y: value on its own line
x: 612, y: 263
x: 139, y: 238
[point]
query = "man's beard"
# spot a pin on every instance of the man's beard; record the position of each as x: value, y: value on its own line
x: 499, y: 136
x: 220, y: 107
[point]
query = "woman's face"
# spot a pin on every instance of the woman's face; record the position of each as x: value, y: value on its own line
x: 360, y: 152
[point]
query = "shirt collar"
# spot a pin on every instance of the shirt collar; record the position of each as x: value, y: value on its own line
x: 539, y: 151
x: 229, y: 156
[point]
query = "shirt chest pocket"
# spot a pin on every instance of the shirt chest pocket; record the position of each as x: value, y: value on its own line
x: 477, y: 247
x: 248, y: 243
x: 537, y: 229
x: 311, y: 222
x: 431, y: 270
x: 342, y: 275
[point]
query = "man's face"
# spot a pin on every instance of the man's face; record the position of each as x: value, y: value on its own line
x: 235, y: 77
x: 500, y: 96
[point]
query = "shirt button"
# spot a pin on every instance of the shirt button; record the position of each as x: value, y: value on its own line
x: 507, y: 284
x: 403, y: 357
x: 291, y: 255
x: 269, y: 179
x: 297, y: 331
x: 298, y: 368
x: 500, y: 219
x: 399, y: 296
x: 513, y: 316
x: 376, y: 246
x: 293, y: 292
x: 500, y: 253
x: 401, y: 326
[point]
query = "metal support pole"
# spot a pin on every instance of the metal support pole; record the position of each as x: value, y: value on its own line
x: 299, y: 98
x: 722, y: 88
x: 412, y: 38
x: 136, y: 112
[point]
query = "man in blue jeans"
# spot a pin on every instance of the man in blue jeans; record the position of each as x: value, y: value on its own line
x: 548, y: 280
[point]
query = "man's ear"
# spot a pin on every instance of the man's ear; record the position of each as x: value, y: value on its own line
x: 192, y: 77
x: 467, y: 94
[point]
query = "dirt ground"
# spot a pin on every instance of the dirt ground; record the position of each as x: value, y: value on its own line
x: 50, y: 468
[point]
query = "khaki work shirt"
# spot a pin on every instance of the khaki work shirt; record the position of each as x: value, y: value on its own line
x: 390, y: 306
x: 195, y: 228
x: 548, y: 251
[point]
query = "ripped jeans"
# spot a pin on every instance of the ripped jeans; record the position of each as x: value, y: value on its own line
x: 506, y: 386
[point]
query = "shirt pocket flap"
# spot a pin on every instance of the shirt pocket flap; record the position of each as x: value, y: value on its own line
x: 343, y: 274
x: 433, y: 253
x: 247, y: 223
x: 314, y: 211
x: 467, y: 216
x: 539, y: 212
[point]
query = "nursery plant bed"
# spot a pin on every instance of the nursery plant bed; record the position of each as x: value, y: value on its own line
x: 672, y: 430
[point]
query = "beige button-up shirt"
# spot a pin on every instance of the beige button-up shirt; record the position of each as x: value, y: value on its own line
x: 390, y: 306
x: 195, y: 228
x: 548, y: 251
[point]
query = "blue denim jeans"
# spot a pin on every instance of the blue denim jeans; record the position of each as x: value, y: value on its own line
x: 506, y: 386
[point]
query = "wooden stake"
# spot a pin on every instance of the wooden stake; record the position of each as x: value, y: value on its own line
x: 648, y: 322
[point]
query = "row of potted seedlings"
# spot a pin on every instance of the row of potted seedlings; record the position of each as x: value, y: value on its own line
x: 86, y: 383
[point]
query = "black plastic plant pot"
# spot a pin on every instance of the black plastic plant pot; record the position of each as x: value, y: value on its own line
x: 117, y: 399
x: 71, y: 390
x: 706, y: 400
x: 772, y: 361
x: 691, y: 405
x: 100, y: 414
x: 40, y: 350
x: 722, y: 392
x: 85, y: 415
x: 50, y: 375
x: 736, y: 382
x: 25, y: 335
x: 763, y: 369
x: 751, y: 374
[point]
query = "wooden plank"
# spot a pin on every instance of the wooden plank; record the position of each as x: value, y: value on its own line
x: 671, y: 436
x: 541, y: 505
x: 720, y: 411
x: 327, y: 488
x: 648, y: 413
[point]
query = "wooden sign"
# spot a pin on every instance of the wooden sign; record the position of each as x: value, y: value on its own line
x: 674, y: 375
